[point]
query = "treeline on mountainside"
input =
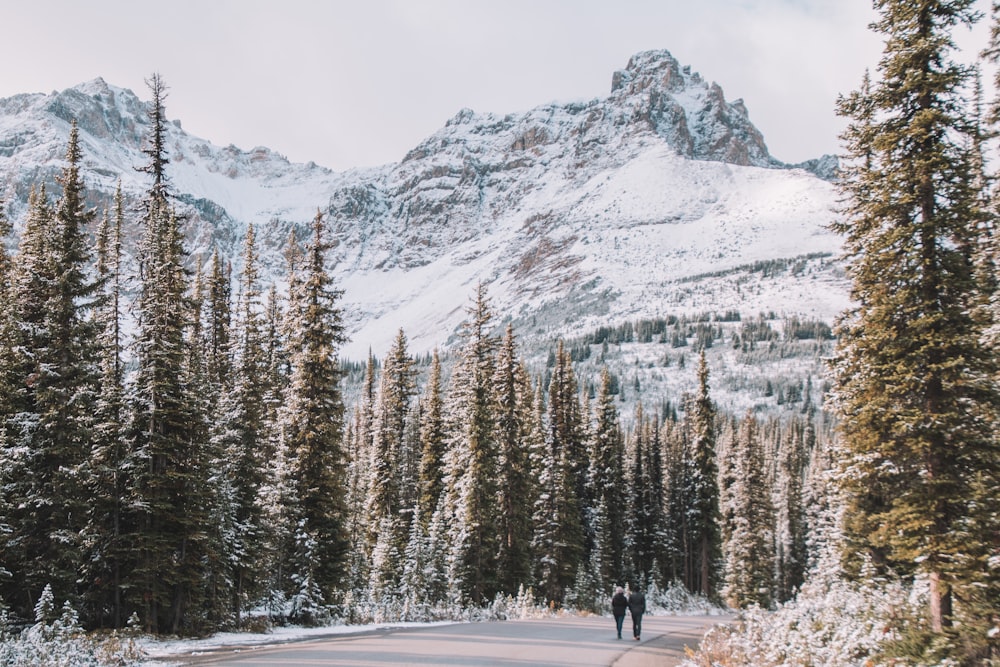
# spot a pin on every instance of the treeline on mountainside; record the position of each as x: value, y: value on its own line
x: 707, y: 329
x: 205, y: 466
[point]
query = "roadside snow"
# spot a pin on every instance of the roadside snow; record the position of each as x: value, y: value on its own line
x: 161, y: 651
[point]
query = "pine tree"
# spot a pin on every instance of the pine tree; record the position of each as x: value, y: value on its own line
x: 313, y: 426
x: 242, y: 414
x: 791, y: 555
x: 438, y: 585
x: 6, y: 316
x: 607, y: 479
x: 275, y: 369
x: 566, y: 427
x: 824, y: 503
x: 913, y: 380
x: 560, y: 529
x: 473, y: 459
x: 215, y: 546
x: 983, y: 575
x: 156, y: 142
x: 390, y: 450
x: 415, y: 579
x: 515, y: 492
x: 270, y: 495
x: 105, y: 548
x: 433, y: 443
x: 24, y: 337
x: 50, y: 428
x: 749, y: 550
x: 7, y: 367
x: 645, y: 521
x: 677, y: 567
x: 168, y: 512
x: 359, y: 473
x: 728, y: 480
x: 702, y: 492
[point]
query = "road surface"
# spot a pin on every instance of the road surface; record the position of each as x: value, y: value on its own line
x: 561, y: 642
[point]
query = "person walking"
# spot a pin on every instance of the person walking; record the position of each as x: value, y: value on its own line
x: 619, y: 603
x: 637, y: 606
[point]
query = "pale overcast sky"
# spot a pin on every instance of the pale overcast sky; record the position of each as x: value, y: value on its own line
x: 353, y: 84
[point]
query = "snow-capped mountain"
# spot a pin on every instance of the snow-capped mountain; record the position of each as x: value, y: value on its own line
x: 661, y: 198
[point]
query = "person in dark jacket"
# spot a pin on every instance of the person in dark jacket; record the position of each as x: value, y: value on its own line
x: 619, y: 604
x: 637, y: 605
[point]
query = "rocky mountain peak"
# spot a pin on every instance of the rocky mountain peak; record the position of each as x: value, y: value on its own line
x: 101, y: 111
x: 650, y: 69
x: 690, y: 113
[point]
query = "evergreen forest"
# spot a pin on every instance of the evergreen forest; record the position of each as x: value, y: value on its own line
x: 179, y: 457
x: 178, y: 452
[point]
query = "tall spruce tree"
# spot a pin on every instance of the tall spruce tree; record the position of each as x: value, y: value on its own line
x: 676, y: 453
x: 560, y: 536
x: 313, y: 431
x: 211, y: 468
x: 241, y: 422
x: 913, y: 379
x: 275, y: 369
x: 702, y: 492
x: 387, y: 526
x: 566, y: 429
x: 749, y: 551
x: 359, y: 472
x: 23, y: 313
x: 982, y: 565
x: 23, y: 341
x: 49, y: 431
x: 6, y: 314
x: 645, y: 521
x: 823, y: 498
x: 168, y: 513
x: 728, y: 478
x: 473, y: 458
x: 790, y: 542
x: 274, y: 492
x: 515, y: 493
x: 433, y: 443
x: 607, y: 480
x: 7, y: 375
x: 105, y: 548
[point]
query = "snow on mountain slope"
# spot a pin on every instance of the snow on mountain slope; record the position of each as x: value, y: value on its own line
x: 220, y: 189
x: 656, y: 200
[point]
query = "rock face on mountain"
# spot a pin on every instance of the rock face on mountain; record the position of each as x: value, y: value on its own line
x: 691, y: 115
x: 480, y: 167
x: 660, y: 198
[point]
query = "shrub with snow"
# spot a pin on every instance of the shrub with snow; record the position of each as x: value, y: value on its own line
x: 59, y: 641
x: 361, y: 608
x: 831, y: 622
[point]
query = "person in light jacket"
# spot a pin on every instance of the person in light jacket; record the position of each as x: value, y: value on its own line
x: 619, y: 603
x: 637, y: 605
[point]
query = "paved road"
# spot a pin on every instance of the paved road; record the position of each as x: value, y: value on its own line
x: 572, y: 641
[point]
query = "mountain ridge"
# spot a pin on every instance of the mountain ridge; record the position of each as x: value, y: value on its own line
x: 572, y: 214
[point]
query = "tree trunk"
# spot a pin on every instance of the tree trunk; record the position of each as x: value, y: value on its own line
x: 940, y: 603
x: 705, y: 557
